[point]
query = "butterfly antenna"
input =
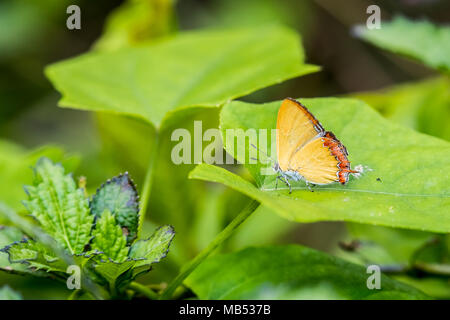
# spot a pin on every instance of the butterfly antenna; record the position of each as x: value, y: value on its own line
x: 264, y: 153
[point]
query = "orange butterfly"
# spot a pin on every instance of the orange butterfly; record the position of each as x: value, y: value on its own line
x: 306, y: 151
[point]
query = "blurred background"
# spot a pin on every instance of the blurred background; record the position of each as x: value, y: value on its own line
x: 33, y: 34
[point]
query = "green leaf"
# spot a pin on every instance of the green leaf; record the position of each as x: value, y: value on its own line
x: 152, y: 82
x: 9, y: 235
x: 6, y: 293
x: 153, y: 249
x: 434, y: 287
x: 109, y: 239
x: 119, y: 196
x: 423, y: 106
x: 289, y: 272
x: 143, y: 254
x: 115, y: 273
x: 35, y: 255
x: 59, y: 206
x: 412, y: 190
x: 421, y: 40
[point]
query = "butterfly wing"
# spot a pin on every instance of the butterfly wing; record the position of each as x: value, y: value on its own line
x: 296, y: 126
x: 322, y: 160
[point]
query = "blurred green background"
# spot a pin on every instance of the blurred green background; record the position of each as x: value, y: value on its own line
x: 34, y: 34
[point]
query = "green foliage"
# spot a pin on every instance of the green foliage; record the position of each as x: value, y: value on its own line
x: 153, y: 249
x: 135, y: 21
x: 59, y: 206
x: 100, y: 249
x: 34, y: 254
x: 289, y: 272
x: 119, y: 196
x: 237, y: 62
x: 416, y: 258
x: 6, y: 293
x: 142, y: 255
x: 23, y: 23
x: 115, y: 275
x: 387, y: 246
x: 109, y: 239
x: 9, y: 235
x: 396, y: 155
x: 421, y: 40
x: 423, y: 106
x: 138, y: 74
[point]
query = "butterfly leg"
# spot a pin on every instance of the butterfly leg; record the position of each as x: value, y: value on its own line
x: 309, y: 186
x: 288, y: 184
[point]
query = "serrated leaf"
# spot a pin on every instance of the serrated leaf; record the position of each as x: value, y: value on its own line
x: 412, y: 191
x: 59, y: 206
x: 6, y: 293
x: 143, y: 254
x: 154, y: 82
x: 119, y: 196
x: 153, y: 249
x: 35, y: 255
x: 9, y: 235
x: 421, y: 40
x: 109, y: 239
x: 289, y: 272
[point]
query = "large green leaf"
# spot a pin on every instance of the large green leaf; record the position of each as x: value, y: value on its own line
x: 59, y: 206
x: 109, y: 239
x: 405, y: 183
x: 420, y: 40
x: 119, y: 196
x: 194, y: 69
x: 289, y: 272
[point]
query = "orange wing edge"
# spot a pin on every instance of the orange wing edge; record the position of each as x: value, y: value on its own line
x: 339, y: 151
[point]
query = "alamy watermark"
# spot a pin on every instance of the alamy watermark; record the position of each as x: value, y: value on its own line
x: 250, y: 146
x: 74, y: 280
x: 74, y: 20
x: 374, y: 280
x: 374, y: 20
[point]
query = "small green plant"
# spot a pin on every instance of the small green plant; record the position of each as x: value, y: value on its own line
x: 96, y: 234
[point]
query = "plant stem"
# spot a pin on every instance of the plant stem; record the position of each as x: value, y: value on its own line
x: 218, y: 240
x: 145, y: 195
x: 149, y: 293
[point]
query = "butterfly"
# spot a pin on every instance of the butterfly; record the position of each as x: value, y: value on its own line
x: 305, y: 151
